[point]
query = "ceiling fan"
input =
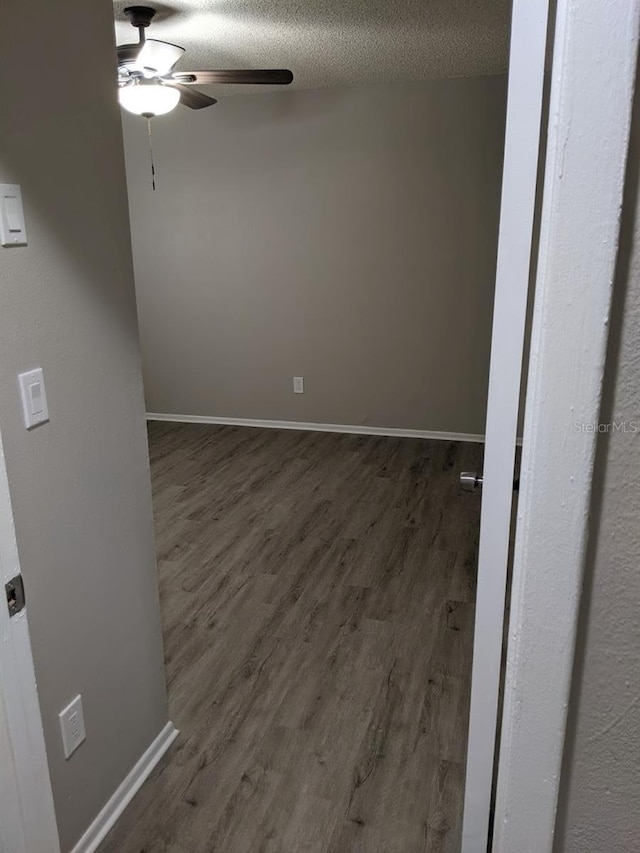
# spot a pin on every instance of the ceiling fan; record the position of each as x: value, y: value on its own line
x: 148, y: 85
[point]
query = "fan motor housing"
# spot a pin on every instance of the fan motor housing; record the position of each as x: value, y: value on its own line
x: 127, y: 53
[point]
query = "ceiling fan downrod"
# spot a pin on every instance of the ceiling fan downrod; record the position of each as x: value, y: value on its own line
x: 140, y: 18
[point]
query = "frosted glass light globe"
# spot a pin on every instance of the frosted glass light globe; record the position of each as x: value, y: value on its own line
x: 148, y: 99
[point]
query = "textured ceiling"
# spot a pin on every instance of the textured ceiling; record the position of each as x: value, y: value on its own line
x: 334, y: 42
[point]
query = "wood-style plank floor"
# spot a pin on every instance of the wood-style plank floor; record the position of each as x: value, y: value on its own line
x: 317, y: 594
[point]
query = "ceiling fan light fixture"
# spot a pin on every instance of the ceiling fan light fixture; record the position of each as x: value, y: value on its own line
x: 150, y: 87
x: 148, y: 99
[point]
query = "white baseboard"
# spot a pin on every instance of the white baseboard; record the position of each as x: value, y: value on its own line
x: 126, y: 791
x: 354, y: 429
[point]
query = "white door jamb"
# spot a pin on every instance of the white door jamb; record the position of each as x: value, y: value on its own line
x: 517, y: 209
x: 27, y: 817
x: 595, y: 56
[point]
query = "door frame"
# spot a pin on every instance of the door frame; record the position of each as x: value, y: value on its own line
x: 595, y: 52
x: 27, y: 816
x: 527, y: 54
x: 588, y: 141
x: 590, y: 112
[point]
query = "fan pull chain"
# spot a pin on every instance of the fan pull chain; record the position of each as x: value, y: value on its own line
x: 153, y: 168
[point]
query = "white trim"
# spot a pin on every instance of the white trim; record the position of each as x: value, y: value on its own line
x: 26, y: 810
x: 352, y: 429
x: 596, y: 46
x: 517, y: 209
x: 126, y: 791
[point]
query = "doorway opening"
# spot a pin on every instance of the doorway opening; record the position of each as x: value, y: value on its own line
x: 318, y: 589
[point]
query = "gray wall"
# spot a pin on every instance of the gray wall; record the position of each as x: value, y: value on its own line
x: 601, y: 776
x: 348, y: 236
x: 80, y: 484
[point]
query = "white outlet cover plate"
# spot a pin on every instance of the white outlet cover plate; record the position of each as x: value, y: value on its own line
x: 298, y: 384
x: 72, y: 726
x: 13, y: 231
x: 34, y: 398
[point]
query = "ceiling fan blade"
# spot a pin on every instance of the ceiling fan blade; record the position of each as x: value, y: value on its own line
x: 158, y: 57
x: 275, y: 77
x: 191, y: 97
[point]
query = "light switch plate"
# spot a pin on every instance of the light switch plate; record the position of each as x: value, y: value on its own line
x: 72, y: 726
x: 13, y: 231
x: 34, y: 398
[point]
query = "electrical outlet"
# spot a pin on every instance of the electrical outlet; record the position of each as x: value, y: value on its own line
x: 298, y: 384
x: 72, y: 726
